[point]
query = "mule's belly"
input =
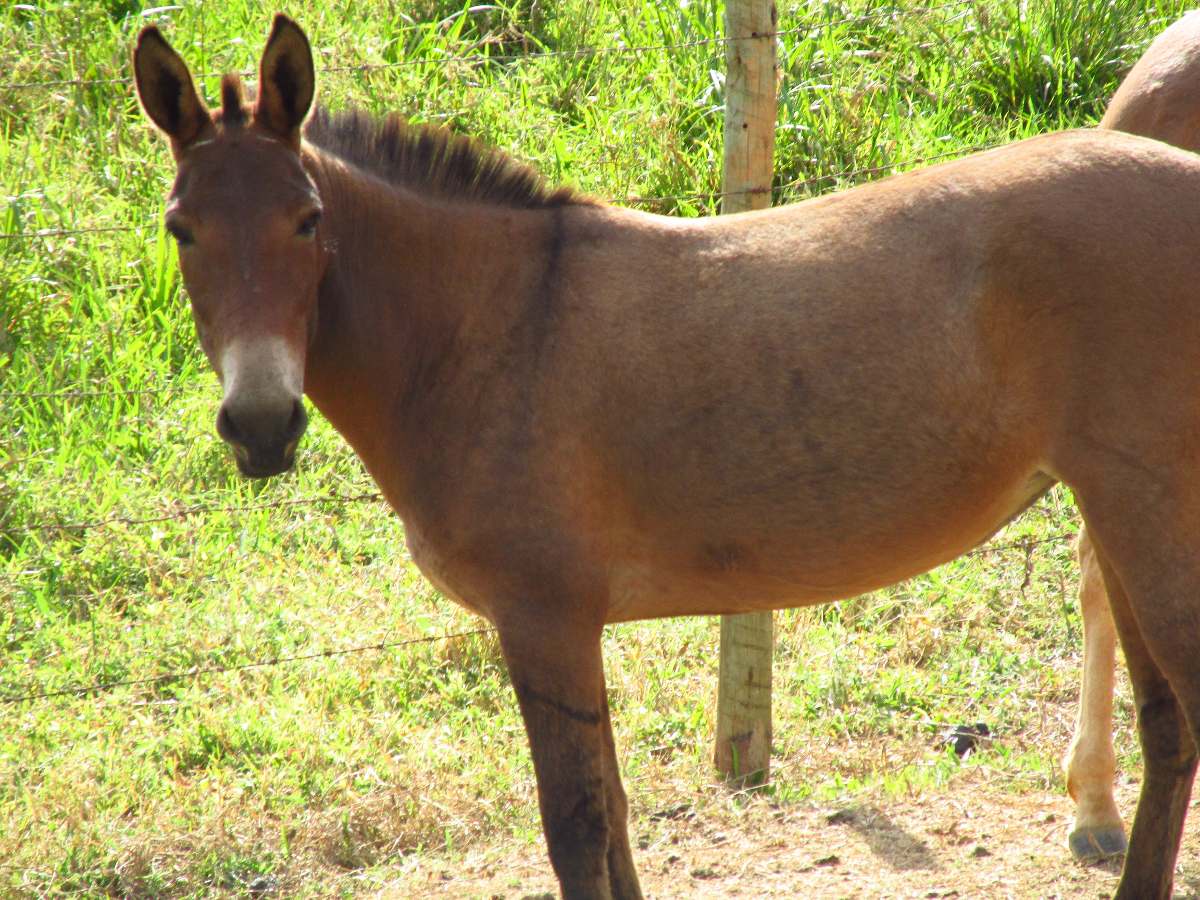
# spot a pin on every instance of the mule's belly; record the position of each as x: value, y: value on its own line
x: 659, y: 575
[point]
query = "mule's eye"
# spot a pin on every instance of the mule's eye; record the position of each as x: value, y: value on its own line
x: 309, y: 226
x: 182, y: 236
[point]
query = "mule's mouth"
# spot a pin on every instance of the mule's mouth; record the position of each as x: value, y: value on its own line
x: 264, y: 465
x: 265, y: 468
x: 261, y: 445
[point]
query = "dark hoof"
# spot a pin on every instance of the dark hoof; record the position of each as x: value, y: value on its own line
x: 1090, y: 845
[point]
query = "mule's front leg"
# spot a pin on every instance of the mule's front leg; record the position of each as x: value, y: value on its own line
x: 558, y: 676
x: 1091, y: 761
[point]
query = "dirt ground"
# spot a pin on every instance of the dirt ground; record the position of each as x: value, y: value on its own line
x: 968, y: 841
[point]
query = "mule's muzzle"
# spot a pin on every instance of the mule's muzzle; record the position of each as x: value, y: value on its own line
x: 263, y: 440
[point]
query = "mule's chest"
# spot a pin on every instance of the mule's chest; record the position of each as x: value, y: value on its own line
x: 446, y: 572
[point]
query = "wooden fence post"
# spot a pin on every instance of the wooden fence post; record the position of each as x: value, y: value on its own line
x: 743, y: 744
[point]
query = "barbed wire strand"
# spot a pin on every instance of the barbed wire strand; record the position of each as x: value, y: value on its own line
x: 84, y: 393
x: 846, y: 175
x: 376, y: 497
x: 578, y: 53
x: 584, y: 52
x: 197, y: 671
x: 203, y: 509
x: 71, y: 232
x: 335, y: 499
x: 363, y: 497
x: 661, y: 200
x: 1026, y: 545
x: 68, y: 232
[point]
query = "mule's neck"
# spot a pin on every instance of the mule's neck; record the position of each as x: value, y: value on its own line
x: 417, y: 297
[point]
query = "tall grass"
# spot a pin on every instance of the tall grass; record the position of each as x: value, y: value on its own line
x: 303, y: 772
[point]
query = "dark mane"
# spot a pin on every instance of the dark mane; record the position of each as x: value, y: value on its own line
x: 433, y: 160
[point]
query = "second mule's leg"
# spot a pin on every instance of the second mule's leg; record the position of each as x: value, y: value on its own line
x: 558, y: 676
x: 1097, y: 831
x: 1154, y: 589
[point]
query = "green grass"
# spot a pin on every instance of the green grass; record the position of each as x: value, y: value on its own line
x: 307, y: 771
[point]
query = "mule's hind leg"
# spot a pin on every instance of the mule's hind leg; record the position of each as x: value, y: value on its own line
x: 1091, y: 763
x: 557, y: 673
x: 1153, y: 586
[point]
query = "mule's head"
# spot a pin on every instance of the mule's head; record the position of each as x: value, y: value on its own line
x: 246, y: 217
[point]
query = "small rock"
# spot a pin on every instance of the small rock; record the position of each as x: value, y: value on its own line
x: 703, y: 872
x: 966, y: 738
x: 263, y: 884
x: 979, y: 851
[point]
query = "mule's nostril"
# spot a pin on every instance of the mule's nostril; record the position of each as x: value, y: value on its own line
x: 297, y: 423
x: 226, y: 428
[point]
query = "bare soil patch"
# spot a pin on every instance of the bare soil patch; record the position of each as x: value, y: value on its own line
x: 973, y: 840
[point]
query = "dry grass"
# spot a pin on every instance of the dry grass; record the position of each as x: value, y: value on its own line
x: 978, y: 840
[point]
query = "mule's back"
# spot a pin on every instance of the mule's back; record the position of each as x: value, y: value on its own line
x: 1160, y: 97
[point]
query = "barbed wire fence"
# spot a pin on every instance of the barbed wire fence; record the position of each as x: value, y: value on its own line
x: 849, y: 175
x: 1026, y: 546
x: 199, y: 671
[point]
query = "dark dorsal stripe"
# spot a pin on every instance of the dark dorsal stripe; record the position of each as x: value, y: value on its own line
x: 433, y: 160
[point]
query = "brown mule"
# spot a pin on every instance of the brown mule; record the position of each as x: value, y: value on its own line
x: 586, y: 414
x: 1159, y: 98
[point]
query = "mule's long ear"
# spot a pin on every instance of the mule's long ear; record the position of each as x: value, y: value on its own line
x: 164, y: 85
x: 285, y: 81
